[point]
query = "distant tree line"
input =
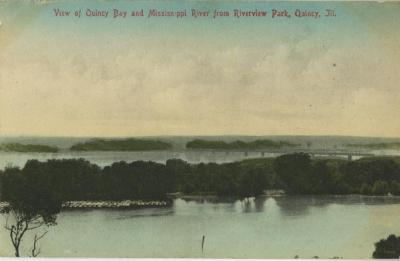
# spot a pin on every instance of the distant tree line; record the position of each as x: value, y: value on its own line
x: 129, y: 144
x: 17, y: 147
x: 238, y: 145
x: 78, y: 179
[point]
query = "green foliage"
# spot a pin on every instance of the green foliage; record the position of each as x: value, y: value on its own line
x: 387, y: 248
x: 231, y: 179
x: 136, y: 180
x: 29, y: 195
x: 78, y: 179
x: 395, y: 188
x: 326, y: 177
x: 380, y: 188
x: 70, y: 179
x: 295, y: 171
x: 238, y: 145
x: 121, y: 145
x: 32, y: 203
x: 372, y: 172
x: 365, y: 189
x: 17, y: 147
x: 298, y: 174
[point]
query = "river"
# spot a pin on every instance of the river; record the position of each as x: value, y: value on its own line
x: 280, y: 227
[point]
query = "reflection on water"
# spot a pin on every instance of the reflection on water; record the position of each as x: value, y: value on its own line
x: 145, y: 213
x: 253, y: 205
x: 245, y: 205
x: 259, y: 204
x: 300, y: 205
x: 265, y: 227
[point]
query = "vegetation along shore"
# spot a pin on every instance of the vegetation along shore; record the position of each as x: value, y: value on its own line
x: 78, y: 179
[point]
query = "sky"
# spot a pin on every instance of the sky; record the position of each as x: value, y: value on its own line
x: 96, y: 76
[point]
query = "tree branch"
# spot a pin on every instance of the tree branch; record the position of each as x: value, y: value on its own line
x: 36, y: 252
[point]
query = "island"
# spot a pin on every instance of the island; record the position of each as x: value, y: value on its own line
x: 239, y: 145
x: 129, y: 144
x: 18, y: 147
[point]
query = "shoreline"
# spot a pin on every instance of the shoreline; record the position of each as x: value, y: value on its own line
x: 141, y: 204
x: 277, y: 194
x: 109, y: 204
x: 114, y: 204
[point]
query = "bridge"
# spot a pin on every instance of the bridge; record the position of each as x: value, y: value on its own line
x: 311, y: 152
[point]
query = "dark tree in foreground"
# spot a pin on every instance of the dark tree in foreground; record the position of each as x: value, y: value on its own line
x: 31, y: 206
x: 387, y: 248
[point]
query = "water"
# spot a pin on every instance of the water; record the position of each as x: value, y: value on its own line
x: 282, y: 227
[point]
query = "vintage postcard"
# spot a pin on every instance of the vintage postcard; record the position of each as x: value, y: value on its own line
x: 199, y: 129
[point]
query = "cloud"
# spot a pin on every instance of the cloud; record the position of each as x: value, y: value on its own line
x: 296, y: 85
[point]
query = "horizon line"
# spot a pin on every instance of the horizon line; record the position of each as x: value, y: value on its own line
x: 193, y: 135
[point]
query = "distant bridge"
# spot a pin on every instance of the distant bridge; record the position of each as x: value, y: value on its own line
x: 311, y: 152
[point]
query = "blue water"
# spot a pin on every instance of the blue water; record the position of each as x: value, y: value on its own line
x: 281, y: 227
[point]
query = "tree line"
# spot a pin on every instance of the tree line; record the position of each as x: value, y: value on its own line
x: 78, y: 179
x: 299, y: 174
